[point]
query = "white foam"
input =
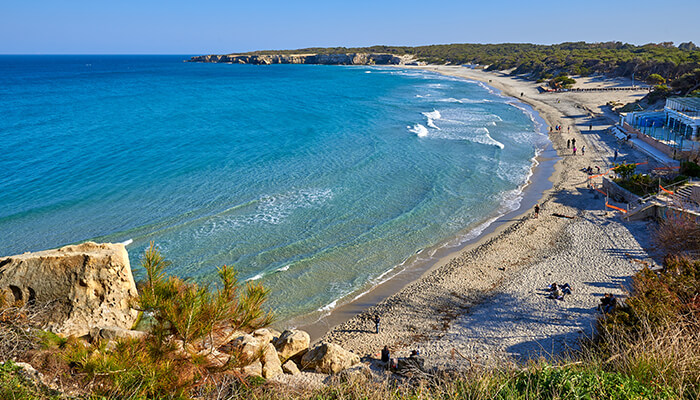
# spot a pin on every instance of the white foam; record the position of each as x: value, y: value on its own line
x: 128, y: 242
x: 485, y: 138
x: 368, y: 72
x: 285, y: 268
x: 419, y: 130
x: 431, y: 116
x: 255, y: 278
x: 328, y: 307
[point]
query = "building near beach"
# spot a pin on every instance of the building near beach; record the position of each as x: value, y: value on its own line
x: 675, y: 128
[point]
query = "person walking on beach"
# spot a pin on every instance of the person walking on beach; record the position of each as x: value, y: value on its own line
x: 573, y: 142
x: 615, y: 155
x: 568, y: 129
x: 574, y: 150
x: 376, y: 324
x: 583, y: 150
x: 590, y: 126
x: 568, y: 144
x: 537, y: 210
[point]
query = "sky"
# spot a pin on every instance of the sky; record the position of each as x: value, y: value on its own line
x: 194, y: 27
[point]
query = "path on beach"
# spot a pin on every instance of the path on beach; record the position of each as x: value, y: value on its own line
x: 488, y: 303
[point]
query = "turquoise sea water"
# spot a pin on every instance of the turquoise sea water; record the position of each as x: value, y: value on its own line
x: 319, y: 181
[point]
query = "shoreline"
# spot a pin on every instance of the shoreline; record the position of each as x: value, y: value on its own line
x: 539, y: 181
x: 471, y: 302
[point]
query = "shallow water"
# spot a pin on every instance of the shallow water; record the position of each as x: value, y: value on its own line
x: 315, y: 180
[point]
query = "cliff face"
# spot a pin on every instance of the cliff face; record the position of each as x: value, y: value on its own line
x: 325, y: 59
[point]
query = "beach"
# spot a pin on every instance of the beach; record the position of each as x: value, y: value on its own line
x: 487, y: 303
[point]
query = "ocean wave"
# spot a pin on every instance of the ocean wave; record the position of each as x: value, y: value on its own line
x: 255, y: 278
x: 419, y: 130
x: 282, y: 269
x: 432, y: 116
x: 485, y: 138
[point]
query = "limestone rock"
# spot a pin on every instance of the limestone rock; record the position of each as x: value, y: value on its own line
x: 246, y: 345
x: 215, y: 358
x: 292, y: 343
x: 290, y: 367
x: 271, y: 363
x: 219, y: 337
x: 254, y: 369
x: 88, y: 284
x: 328, y: 358
x: 358, y: 373
x: 264, y: 335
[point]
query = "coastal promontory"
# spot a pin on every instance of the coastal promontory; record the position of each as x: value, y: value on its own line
x: 323, y: 59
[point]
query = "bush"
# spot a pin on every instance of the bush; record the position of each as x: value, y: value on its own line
x: 562, y: 81
x: 186, y: 311
x: 656, y: 79
x: 690, y: 169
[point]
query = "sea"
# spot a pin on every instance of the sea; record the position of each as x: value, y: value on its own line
x: 319, y: 182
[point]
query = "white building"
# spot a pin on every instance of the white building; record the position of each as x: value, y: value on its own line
x: 683, y: 115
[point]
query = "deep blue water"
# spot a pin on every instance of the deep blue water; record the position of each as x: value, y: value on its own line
x: 317, y: 180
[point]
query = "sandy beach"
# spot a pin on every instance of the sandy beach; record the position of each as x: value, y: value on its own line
x: 488, y: 302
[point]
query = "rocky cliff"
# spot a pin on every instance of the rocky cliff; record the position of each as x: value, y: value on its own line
x: 88, y: 285
x: 325, y: 59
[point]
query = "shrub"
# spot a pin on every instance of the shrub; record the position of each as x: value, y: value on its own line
x: 656, y: 79
x: 690, y: 169
x: 186, y: 311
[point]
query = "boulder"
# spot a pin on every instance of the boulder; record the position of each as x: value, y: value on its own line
x: 292, y: 343
x: 253, y: 369
x: 290, y: 367
x: 247, y: 346
x: 88, y: 285
x: 328, y: 358
x: 271, y: 362
x: 264, y: 335
x: 218, y: 338
x: 358, y: 373
x: 214, y: 358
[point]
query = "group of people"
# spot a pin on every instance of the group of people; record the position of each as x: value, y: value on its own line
x: 557, y: 292
x: 394, y: 364
x: 589, y: 170
x: 572, y: 143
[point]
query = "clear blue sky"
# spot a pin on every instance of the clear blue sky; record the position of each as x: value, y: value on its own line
x: 218, y: 26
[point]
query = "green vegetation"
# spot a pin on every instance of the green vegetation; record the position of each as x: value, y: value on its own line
x: 562, y: 82
x: 656, y: 79
x: 641, y: 184
x: 546, y: 61
x: 690, y: 168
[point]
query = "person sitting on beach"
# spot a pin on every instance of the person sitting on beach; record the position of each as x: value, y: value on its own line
x: 556, y: 294
x: 385, y: 355
x: 607, y: 303
x: 566, y: 288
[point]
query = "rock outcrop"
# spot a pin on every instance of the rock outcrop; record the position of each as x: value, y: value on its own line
x: 324, y: 59
x: 88, y: 285
x: 292, y: 343
x: 328, y: 358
